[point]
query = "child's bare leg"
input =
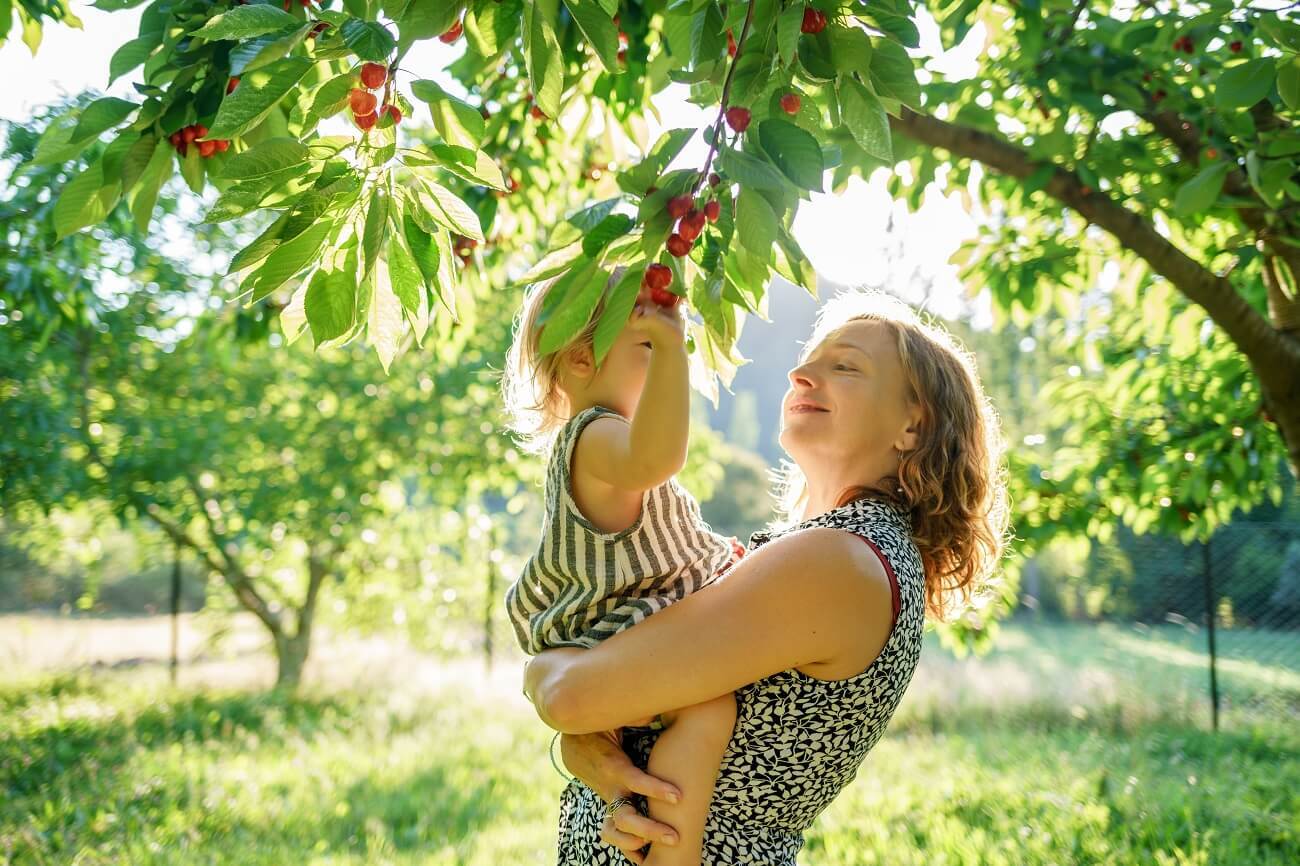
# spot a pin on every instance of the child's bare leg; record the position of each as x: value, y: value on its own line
x: 689, y: 753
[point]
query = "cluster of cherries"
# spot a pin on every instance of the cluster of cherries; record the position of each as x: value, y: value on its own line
x: 182, y: 138
x: 363, y: 102
x: 690, y: 224
x: 1184, y: 44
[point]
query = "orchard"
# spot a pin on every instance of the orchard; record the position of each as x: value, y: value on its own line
x: 1158, y: 138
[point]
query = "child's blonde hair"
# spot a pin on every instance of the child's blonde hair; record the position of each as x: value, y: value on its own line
x: 535, y: 404
x: 954, y: 481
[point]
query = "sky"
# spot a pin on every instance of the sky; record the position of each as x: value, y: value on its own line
x: 844, y: 235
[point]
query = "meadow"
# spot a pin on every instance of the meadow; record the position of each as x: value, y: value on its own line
x: 1068, y: 744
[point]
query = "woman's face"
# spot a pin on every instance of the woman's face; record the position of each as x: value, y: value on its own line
x: 846, y: 410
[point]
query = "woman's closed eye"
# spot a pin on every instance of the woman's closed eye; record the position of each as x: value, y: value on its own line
x: 647, y: 344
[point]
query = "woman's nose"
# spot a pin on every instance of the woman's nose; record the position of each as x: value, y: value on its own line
x: 801, y: 376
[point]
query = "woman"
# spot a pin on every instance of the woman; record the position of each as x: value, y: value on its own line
x: 817, y: 632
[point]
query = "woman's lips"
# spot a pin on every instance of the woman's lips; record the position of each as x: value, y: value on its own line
x: 802, y: 408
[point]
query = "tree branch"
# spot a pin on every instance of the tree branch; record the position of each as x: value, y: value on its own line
x: 1275, y: 357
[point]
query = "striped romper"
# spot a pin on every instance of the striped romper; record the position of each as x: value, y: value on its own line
x: 584, y: 585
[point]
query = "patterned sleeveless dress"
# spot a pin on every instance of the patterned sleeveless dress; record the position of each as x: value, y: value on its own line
x: 798, y: 740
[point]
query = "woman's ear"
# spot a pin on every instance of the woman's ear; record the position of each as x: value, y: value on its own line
x: 908, y: 438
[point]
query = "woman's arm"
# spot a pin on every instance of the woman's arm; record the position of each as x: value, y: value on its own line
x: 808, y: 597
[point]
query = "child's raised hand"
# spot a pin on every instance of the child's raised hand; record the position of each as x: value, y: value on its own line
x: 665, y: 326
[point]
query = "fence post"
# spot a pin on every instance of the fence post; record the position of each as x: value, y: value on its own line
x: 1210, y: 616
x: 176, y: 609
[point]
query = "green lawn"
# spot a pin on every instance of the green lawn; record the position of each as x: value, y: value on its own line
x: 1048, y: 751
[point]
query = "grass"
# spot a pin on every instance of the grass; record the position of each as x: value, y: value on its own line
x: 402, y: 759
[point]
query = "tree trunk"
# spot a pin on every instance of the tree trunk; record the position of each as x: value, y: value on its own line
x: 291, y: 657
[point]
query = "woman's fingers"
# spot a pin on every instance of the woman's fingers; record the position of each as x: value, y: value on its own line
x: 631, y: 822
x: 628, y: 843
x: 643, y: 783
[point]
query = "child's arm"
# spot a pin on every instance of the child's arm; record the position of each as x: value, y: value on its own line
x: 652, y: 449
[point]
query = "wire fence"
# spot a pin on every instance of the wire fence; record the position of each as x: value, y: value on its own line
x: 1214, y: 626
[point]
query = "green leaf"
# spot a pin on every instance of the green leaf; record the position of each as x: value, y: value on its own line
x: 80, y: 203
x: 372, y: 239
x: 258, y: 92
x: 424, y: 19
x: 449, y: 210
x: 424, y: 249
x: 331, y: 95
x: 331, y: 304
x: 788, y: 27
x: 1243, y: 85
x: 756, y: 223
x: 598, y: 29
x: 898, y: 26
x: 274, y: 154
x: 618, y: 306
x: 750, y: 170
x: 1288, y: 81
x: 613, y: 226
x: 137, y: 159
x: 407, y: 282
x: 287, y: 260
x: 144, y: 196
x: 131, y: 55
x: 474, y: 166
x: 102, y: 114
x: 383, y: 320
x: 794, y: 151
x: 892, y: 73
x: 245, y: 22
x: 582, y: 288
x: 458, y: 122
x: 542, y: 56
x: 865, y: 117
x: 262, y: 51
x: 851, y: 48
x: 1200, y: 193
x: 369, y: 40
x: 643, y: 175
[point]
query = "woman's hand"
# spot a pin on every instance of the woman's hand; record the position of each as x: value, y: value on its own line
x: 599, y: 761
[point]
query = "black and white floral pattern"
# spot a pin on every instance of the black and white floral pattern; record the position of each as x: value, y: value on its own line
x: 798, y: 740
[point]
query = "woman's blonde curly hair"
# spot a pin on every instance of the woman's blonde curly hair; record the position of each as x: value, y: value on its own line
x: 954, y: 481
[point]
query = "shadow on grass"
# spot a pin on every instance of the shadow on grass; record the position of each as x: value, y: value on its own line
x: 86, y: 730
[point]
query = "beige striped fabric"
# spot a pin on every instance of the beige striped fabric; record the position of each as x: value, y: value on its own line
x: 584, y: 585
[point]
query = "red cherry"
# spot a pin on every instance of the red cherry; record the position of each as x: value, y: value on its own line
x: 207, y: 148
x: 176, y: 139
x: 712, y: 211
x: 738, y: 118
x: 200, y: 130
x: 223, y: 145
x: 678, y: 246
x: 1235, y: 46
x: 814, y: 20
x: 373, y: 75
x: 232, y: 84
x: 622, y: 37
x: 1212, y: 153
x: 365, y: 121
x: 679, y: 206
x: 790, y: 103
x: 663, y: 297
x: 694, y: 218
x: 657, y: 276
x: 731, y: 45
x: 714, y: 179
x: 394, y: 111
x: 688, y: 231
x: 361, y: 101
x: 189, y: 133
x: 1146, y: 76
x: 514, y: 185
x: 1085, y: 189
x: 1158, y: 95
x: 622, y: 55
x: 318, y: 28
x: 453, y: 33
x: 537, y: 113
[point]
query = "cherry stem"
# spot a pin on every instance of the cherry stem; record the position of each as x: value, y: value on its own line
x: 726, y: 91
